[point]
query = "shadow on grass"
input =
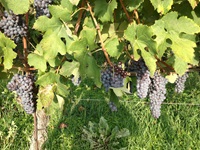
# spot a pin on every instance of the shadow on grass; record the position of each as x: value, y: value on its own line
x: 77, y: 115
x: 177, y: 128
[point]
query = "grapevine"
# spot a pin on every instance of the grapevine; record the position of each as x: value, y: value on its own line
x: 72, y: 40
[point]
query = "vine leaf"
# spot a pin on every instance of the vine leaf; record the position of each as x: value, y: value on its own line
x: 62, y: 89
x: 67, y: 4
x: 6, y: 51
x: 45, y: 96
x: 69, y: 68
x: 104, y: 11
x: 52, y: 44
x: 18, y: 7
x: 61, y: 101
x: 169, y: 33
x: 180, y: 66
x: 162, y: 6
x: 113, y: 47
x: 193, y: 3
x: 131, y: 5
x: 60, y: 12
x: 140, y: 37
x: 9, y: 55
x: 88, y: 65
x: 43, y: 23
x: 90, y: 33
x: 37, y: 61
x: 172, y: 77
x: 74, y: 2
x: 47, y: 79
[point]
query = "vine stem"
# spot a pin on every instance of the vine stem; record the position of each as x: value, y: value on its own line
x: 79, y: 18
x: 164, y: 63
x: 136, y: 16
x: 99, y: 34
x: 35, y: 131
x: 20, y: 68
x: 124, y: 8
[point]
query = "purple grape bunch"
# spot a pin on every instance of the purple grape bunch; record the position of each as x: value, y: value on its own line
x: 23, y: 86
x: 13, y: 26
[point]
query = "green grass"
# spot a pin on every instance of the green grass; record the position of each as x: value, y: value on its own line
x: 177, y: 128
x: 15, y: 126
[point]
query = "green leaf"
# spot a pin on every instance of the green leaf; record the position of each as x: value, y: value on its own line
x: 131, y: 5
x: 140, y: 37
x: 67, y: 4
x: 45, y: 97
x: 104, y: 11
x: 37, y: 61
x: 170, y: 32
x: 122, y: 133
x: 162, y: 6
x: 43, y: 23
x: 78, y: 48
x: 150, y: 62
x: 6, y: 51
x: 118, y: 91
x: 103, y: 126
x: 89, y: 68
x: 74, y: 2
x: 60, y: 12
x: 62, y: 89
x: 17, y: 6
x: 61, y: 101
x: 113, y: 97
x: 51, y: 45
x: 47, y: 79
x: 9, y: 55
x: 180, y: 66
x: 193, y: 3
x: 113, y: 47
x: 90, y: 33
x: 68, y: 68
x: 179, y: 25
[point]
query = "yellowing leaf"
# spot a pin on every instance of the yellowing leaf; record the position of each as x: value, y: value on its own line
x: 162, y: 6
x: 172, y: 77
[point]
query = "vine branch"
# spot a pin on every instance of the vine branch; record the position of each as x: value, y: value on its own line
x: 35, y: 131
x: 124, y: 8
x: 79, y: 18
x: 164, y: 63
x: 136, y: 16
x: 99, y: 34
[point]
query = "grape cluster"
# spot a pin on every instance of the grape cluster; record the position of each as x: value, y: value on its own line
x: 13, y: 26
x: 112, y: 106
x: 113, y: 76
x: 41, y: 7
x: 157, y: 91
x: 143, y: 77
x: 180, y: 83
x: 23, y: 85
